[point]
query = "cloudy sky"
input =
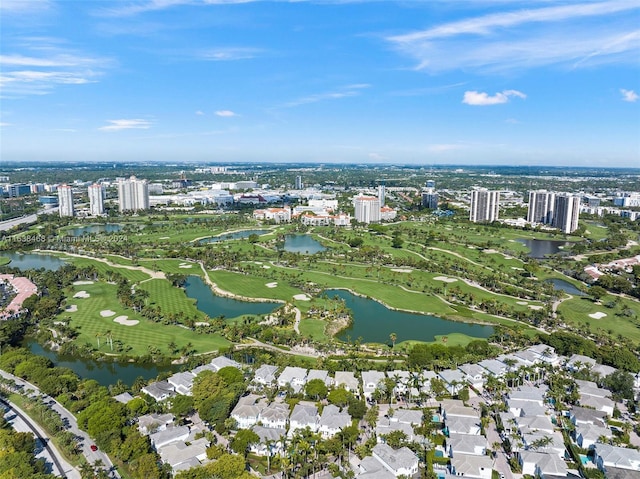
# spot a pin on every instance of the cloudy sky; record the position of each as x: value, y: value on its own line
x: 459, y: 82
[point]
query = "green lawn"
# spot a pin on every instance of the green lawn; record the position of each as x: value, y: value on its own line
x: 132, y: 275
x: 313, y: 328
x: 138, y: 337
x: 172, y: 266
x: 616, y: 323
x: 4, y: 260
x: 169, y: 299
x: 253, y: 287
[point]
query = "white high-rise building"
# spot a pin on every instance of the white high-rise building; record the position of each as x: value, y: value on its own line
x: 133, y: 194
x: 566, y: 212
x: 484, y: 205
x: 367, y: 209
x: 65, y: 200
x: 299, y: 184
x: 96, y: 199
x: 381, y: 194
x: 541, y: 206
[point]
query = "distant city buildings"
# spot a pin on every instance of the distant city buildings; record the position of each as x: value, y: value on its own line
x: 65, y: 200
x: 484, y: 205
x: 367, y: 209
x: 96, y: 199
x: 277, y: 215
x: 381, y: 193
x: 541, y: 206
x: 133, y: 194
x: 299, y: 184
x: 627, y: 200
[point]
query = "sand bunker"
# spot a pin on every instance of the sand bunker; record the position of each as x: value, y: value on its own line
x: 201, y: 323
x: 82, y: 294
x: 490, y: 251
x: 271, y: 285
x: 78, y: 283
x: 72, y: 308
x: 125, y: 321
x: 164, y: 237
x: 185, y: 266
x: 302, y: 297
x: 400, y: 270
x: 445, y: 279
x: 521, y: 302
x: 535, y: 307
x: 598, y: 315
x: 265, y: 266
x: 105, y: 313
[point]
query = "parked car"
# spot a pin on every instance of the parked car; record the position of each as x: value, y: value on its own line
x: 94, y: 448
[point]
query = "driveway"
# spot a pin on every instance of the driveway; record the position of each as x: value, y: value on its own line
x: 501, y: 463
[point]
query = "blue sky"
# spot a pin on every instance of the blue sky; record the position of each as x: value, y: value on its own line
x: 459, y: 82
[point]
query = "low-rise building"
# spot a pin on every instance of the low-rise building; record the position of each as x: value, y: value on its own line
x: 304, y: 415
x: 333, y: 420
x: 265, y: 375
x: 371, y: 381
x: 348, y: 380
x: 399, y: 462
x: 475, y: 467
x: 275, y: 415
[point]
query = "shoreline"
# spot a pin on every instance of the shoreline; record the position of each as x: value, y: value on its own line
x: 228, y: 294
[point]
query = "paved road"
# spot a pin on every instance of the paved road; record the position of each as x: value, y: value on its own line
x: 85, y: 440
x: 8, y: 224
x: 21, y: 422
x: 501, y: 464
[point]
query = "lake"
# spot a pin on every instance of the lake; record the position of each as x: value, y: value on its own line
x: 539, y: 249
x: 233, y: 236
x: 562, y: 285
x: 105, y: 373
x: 26, y: 261
x: 304, y: 244
x: 374, y: 322
x: 94, y: 229
x: 214, y: 305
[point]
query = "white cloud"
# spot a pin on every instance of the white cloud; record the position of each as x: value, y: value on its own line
x: 199, y: 112
x: 482, y: 99
x: 24, y: 6
x: 226, y: 113
x: 157, y: 5
x: 126, y: 124
x: 3, y: 124
x: 578, y: 34
x: 442, y: 147
x: 629, y: 95
x: 344, y: 92
x: 229, y: 54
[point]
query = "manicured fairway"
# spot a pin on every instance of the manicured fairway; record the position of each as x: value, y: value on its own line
x: 4, y: 260
x: 169, y: 299
x: 93, y: 326
x: 132, y: 275
x: 172, y: 266
x: 253, y: 287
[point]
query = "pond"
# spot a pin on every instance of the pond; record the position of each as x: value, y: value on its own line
x: 233, y: 236
x: 562, y: 285
x: 304, y: 244
x: 26, y: 261
x: 539, y: 249
x: 374, y: 322
x: 215, y: 305
x: 94, y: 229
x: 105, y: 373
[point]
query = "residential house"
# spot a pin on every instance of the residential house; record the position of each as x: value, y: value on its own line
x: 539, y: 464
x: 402, y: 380
x: 182, y: 456
x: 454, y: 407
x: 348, y: 380
x: 294, y: 377
x: 602, y: 370
x: 527, y: 393
x: 540, y: 441
x: 470, y: 466
x: 270, y: 441
x: 182, y: 382
x: 463, y: 425
x: 535, y: 424
x: 153, y: 423
x: 578, y: 362
x: 160, y: 391
x: 454, y: 380
x: 333, y: 420
x: 398, y: 462
x: 609, y: 457
x: 582, y: 415
x: 320, y: 374
x: 223, y: 362
x: 169, y: 435
x: 204, y: 367
x: 402, y: 420
x: 275, y: 415
x: 303, y: 415
x: 247, y: 411
x: 265, y: 375
x: 123, y: 398
x: 465, y: 444
x: 603, y: 404
x: 371, y: 468
x: 494, y: 367
x: 474, y: 375
x: 370, y: 382
x: 545, y: 354
x: 588, y: 434
x: 521, y: 408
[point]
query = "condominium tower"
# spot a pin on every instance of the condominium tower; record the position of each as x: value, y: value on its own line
x: 96, y: 199
x: 65, y: 200
x: 367, y: 209
x: 541, y: 206
x: 133, y: 194
x: 484, y: 205
x: 566, y: 212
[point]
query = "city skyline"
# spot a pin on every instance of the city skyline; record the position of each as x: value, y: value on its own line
x: 488, y: 82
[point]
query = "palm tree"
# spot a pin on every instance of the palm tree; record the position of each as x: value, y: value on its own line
x: 393, y: 337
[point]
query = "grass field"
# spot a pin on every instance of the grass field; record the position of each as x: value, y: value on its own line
x: 169, y: 299
x: 313, y: 328
x: 576, y: 311
x: 132, y: 275
x: 140, y: 337
x: 252, y: 287
x: 4, y: 260
x: 172, y: 266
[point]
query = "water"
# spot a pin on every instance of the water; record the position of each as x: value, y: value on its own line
x: 25, y: 261
x: 539, y: 249
x: 374, y: 322
x: 304, y: 244
x: 562, y: 285
x: 94, y: 229
x: 233, y: 236
x: 105, y: 373
x: 214, y: 305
